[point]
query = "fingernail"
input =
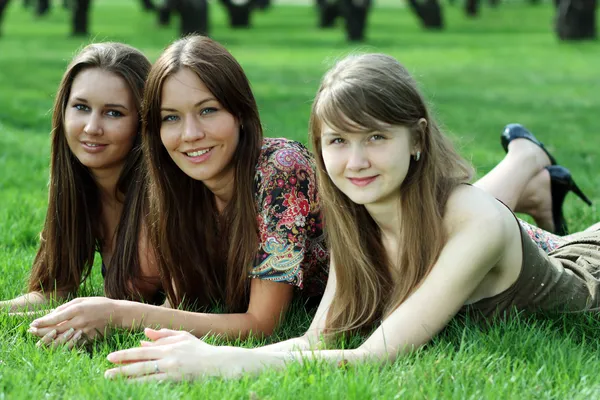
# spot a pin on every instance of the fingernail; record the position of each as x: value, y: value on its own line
x: 77, y: 335
x: 34, y: 324
x: 32, y: 330
x: 69, y: 332
x: 52, y: 333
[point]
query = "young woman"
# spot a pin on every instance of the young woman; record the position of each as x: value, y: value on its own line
x: 235, y: 216
x: 95, y: 182
x: 412, y: 245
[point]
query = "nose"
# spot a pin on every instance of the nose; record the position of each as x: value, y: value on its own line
x: 93, y: 126
x: 357, y: 159
x: 192, y: 130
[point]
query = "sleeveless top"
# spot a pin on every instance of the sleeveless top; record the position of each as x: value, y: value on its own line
x: 566, y: 279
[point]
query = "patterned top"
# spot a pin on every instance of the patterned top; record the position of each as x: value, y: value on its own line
x: 544, y: 240
x: 291, y: 243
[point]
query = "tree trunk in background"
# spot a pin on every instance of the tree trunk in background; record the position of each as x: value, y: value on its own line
x: 194, y: 16
x: 43, y: 7
x: 472, y: 7
x: 429, y: 12
x: 3, y: 4
x: 148, y: 5
x: 329, y: 11
x: 576, y: 19
x: 239, y: 13
x: 80, y: 17
x: 355, y: 13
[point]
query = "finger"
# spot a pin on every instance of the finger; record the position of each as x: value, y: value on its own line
x: 60, y: 328
x: 165, y: 340
x: 75, y: 340
x: 135, y: 370
x: 138, y: 353
x: 63, y: 338
x: 54, y: 318
x: 154, y: 334
x: 47, y: 339
x: 69, y: 304
x: 152, y: 378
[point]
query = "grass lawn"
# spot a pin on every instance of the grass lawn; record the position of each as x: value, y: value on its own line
x: 479, y: 74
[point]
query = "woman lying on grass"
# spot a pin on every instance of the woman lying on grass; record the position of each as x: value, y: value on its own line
x: 94, y: 182
x: 412, y: 245
x: 235, y: 216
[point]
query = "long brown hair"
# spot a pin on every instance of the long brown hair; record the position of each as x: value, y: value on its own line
x: 72, y: 229
x: 203, y: 256
x: 363, y: 93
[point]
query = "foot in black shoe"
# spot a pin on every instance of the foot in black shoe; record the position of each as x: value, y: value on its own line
x: 517, y: 131
x: 561, y: 183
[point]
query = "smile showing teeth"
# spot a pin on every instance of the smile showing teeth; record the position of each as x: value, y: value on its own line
x: 92, y: 144
x: 198, y: 153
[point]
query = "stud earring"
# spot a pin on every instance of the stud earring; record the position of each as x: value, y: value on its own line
x: 418, y: 156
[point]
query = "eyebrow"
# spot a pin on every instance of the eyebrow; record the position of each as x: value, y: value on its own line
x: 108, y: 105
x: 195, y: 105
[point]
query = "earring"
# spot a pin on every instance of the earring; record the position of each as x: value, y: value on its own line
x: 417, y: 156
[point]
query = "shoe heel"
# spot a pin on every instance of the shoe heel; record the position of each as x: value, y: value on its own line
x: 575, y: 189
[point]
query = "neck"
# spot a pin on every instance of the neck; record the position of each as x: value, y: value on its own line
x: 107, y: 179
x: 222, y: 187
x: 387, y: 216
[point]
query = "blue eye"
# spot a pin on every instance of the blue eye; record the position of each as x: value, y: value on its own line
x: 208, y: 110
x: 170, y: 118
x: 114, y: 113
x: 81, y: 107
x: 336, y: 141
x: 376, y: 137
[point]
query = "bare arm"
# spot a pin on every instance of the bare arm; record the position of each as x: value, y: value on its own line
x: 268, y: 302
x: 313, y: 336
x: 467, y: 257
x: 26, y: 302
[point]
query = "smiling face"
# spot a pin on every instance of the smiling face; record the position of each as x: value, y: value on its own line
x: 199, y: 134
x: 369, y: 168
x: 100, y: 120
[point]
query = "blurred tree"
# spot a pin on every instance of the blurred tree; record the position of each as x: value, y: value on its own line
x: 329, y: 11
x: 80, y: 17
x: 239, y: 12
x: 355, y: 14
x: 576, y: 19
x: 43, y: 7
x: 429, y: 12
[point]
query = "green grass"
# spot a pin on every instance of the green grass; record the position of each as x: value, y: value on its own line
x: 479, y: 74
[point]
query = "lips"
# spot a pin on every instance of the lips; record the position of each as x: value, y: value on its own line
x: 197, y: 156
x: 363, y: 181
x: 93, y: 147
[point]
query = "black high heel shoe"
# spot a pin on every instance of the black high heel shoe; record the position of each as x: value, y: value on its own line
x: 561, y: 183
x: 517, y: 131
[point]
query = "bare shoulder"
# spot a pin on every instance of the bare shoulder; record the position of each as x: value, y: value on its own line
x: 469, y: 207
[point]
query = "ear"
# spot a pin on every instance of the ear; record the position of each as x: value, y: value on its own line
x: 419, y: 134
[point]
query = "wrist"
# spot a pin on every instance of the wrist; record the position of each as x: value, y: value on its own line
x: 119, y: 313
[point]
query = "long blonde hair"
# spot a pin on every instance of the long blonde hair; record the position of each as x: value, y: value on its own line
x: 363, y: 93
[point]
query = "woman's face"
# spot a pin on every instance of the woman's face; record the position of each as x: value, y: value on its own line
x: 200, y: 135
x: 101, y: 120
x: 369, y: 168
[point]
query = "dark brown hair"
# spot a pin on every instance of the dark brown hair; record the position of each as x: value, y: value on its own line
x: 367, y: 93
x: 72, y: 229
x: 203, y: 255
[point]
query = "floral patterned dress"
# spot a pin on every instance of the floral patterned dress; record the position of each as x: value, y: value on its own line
x: 544, y: 240
x: 291, y: 243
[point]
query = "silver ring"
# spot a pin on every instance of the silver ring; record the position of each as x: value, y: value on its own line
x: 156, y: 370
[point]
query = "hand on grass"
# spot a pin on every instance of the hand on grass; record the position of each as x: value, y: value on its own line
x: 178, y: 355
x: 92, y: 316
